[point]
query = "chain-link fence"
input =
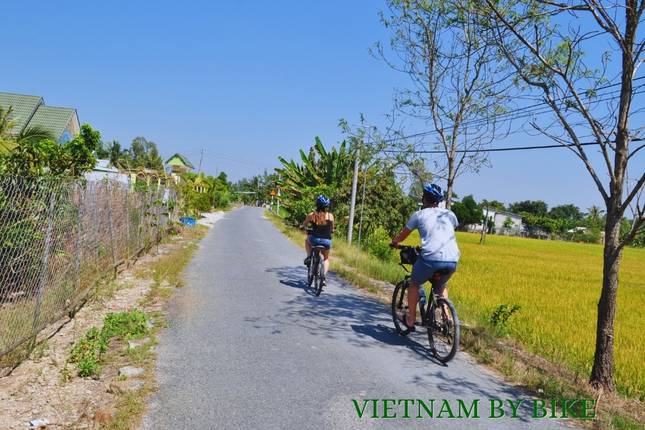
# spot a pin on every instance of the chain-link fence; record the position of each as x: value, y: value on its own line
x: 58, y: 237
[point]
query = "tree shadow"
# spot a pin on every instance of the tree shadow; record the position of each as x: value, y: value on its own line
x: 339, y: 307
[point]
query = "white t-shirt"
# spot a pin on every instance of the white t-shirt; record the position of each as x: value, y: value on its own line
x: 437, y: 229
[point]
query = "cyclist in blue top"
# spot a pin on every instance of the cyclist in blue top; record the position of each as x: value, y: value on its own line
x: 322, y: 222
x: 439, y: 248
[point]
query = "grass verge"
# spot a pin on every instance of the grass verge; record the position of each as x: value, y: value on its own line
x: 490, y: 339
x: 129, y: 338
x: 166, y: 274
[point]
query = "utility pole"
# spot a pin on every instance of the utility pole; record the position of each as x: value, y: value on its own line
x: 360, y: 221
x: 353, y: 203
x: 278, y: 199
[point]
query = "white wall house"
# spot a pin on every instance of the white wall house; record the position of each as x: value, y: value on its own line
x: 104, y: 170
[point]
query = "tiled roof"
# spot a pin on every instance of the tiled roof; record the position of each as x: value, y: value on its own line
x: 54, y: 119
x: 183, y: 160
x: 23, y: 107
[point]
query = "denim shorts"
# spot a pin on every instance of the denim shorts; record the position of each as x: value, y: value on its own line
x: 423, y: 270
x: 319, y: 241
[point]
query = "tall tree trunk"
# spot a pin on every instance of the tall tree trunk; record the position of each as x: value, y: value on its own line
x: 602, y: 374
x: 450, y: 181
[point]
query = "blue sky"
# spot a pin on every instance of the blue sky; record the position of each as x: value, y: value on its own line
x: 246, y: 81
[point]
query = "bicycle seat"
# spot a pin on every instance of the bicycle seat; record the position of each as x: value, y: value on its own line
x: 320, y: 248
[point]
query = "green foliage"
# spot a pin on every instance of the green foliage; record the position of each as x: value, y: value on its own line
x: 492, y: 205
x: 201, y: 193
x: 37, y: 157
x: 125, y: 325
x: 500, y: 316
x: 467, y: 211
x: 378, y: 243
x: 317, y: 167
x: 533, y: 207
x: 144, y: 154
x: 330, y: 173
x: 568, y: 212
x: 86, y: 353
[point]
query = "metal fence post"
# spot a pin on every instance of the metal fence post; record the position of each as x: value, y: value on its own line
x: 79, y: 236
x: 111, y: 225
x: 45, y: 260
x: 97, y: 232
x: 128, y: 243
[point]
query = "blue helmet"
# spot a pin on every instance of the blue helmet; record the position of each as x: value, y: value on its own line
x: 433, y: 191
x: 322, y: 201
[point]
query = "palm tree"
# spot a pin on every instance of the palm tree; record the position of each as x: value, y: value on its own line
x: 594, y: 214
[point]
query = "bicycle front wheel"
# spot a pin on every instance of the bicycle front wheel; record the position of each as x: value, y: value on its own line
x: 443, y: 330
x: 400, y: 307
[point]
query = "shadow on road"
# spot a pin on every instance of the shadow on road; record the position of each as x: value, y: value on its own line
x: 339, y: 308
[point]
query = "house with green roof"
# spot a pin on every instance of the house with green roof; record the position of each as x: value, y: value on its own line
x: 30, y: 111
x: 178, y: 163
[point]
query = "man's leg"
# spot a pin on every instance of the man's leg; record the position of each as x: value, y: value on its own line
x: 413, y: 300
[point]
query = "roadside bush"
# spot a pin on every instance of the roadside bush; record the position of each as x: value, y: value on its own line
x: 378, y: 244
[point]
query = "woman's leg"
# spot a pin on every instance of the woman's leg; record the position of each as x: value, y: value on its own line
x: 325, y: 254
x: 307, y: 246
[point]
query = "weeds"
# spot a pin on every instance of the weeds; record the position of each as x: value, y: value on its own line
x: 86, y: 353
x: 500, y: 316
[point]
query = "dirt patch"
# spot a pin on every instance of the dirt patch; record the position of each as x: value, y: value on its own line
x: 45, y: 386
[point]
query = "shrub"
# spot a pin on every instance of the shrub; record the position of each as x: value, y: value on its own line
x: 500, y: 316
x: 378, y: 244
x: 86, y: 354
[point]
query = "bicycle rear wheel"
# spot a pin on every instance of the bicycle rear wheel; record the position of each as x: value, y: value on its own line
x: 311, y: 269
x: 443, y: 330
x: 400, y: 306
x: 320, y: 275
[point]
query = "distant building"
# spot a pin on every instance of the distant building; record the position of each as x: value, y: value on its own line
x: 179, y: 164
x: 104, y: 170
x: 31, y: 111
x: 507, y: 223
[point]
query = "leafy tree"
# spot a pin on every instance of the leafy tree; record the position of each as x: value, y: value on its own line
x: 595, y: 216
x: 566, y: 67
x: 34, y: 157
x: 119, y: 157
x: 492, y: 205
x: 455, y: 78
x: 567, y: 212
x: 467, y: 211
x: 318, y: 167
x: 144, y: 154
x: 533, y: 207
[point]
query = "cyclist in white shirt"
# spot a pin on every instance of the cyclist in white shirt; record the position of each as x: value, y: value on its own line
x: 439, y: 248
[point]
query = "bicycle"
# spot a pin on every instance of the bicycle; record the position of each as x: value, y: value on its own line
x: 439, y: 318
x: 316, y: 269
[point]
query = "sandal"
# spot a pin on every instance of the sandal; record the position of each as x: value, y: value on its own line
x: 404, y: 320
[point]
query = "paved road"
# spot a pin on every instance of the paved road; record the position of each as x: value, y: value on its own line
x: 249, y: 348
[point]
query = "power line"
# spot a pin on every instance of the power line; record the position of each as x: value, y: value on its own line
x: 525, y: 111
x: 511, y: 148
